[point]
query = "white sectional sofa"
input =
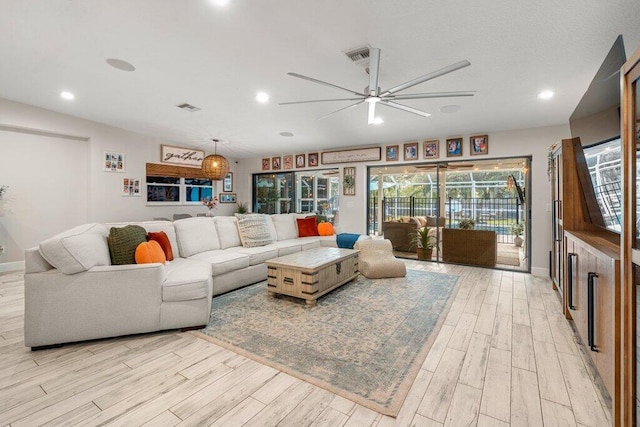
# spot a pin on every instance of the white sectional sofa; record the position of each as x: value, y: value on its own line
x: 72, y: 293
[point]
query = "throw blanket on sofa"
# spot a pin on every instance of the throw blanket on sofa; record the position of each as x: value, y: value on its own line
x: 346, y: 240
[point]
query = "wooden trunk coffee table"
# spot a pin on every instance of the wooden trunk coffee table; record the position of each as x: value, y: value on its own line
x: 312, y: 273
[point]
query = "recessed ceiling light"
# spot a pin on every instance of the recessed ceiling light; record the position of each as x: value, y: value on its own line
x: 220, y: 2
x: 545, y: 94
x: 450, y: 109
x: 120, y: 64
x: 67, y: 95
x: 287, y: 134
x: 378, y: 121
x: 262, y: 97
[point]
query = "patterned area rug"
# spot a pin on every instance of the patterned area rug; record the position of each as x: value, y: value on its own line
x: 364, y: 341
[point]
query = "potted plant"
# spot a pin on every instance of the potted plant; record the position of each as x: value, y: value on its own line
x: 423, y: 243
x: 466, y: 224
x: 242, y: 208
x: 517, y: 228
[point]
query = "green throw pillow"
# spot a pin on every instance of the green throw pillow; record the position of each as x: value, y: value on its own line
x: 123, y: 243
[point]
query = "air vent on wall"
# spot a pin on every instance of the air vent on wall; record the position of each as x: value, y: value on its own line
x: 188, y: 107
x: 359, y: 55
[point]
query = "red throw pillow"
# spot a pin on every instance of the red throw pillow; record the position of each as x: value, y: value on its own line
x: 162, y: 238
x: 307, y: 227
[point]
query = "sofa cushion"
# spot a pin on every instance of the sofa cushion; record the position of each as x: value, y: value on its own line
x: 285, y: 226
x: 154, y: 227
x: 163, y: 240
x: 77, y: 249
x: 186, y: 280
x: 287, y: 247
x: 196, y: 235
x: 149, y: 253
x: 310, y: 242
x: 123, y: 243
x: 223, y: 261
x: 253, y: 230
x: 257, y: 255
x: 228, y: 234
x: 307, y: 227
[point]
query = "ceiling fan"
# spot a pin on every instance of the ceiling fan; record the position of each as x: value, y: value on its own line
x: 373, y: 95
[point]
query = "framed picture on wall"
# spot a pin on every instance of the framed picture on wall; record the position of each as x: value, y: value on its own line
x: 266, y: 164
x: 479, y: 144
x: 130, y: 187
x: 300, y: 161
x: 313, y: 159
x: 431, y: 149
x: 275, y: 163
x: 113, y: 162
x: 227, y: 183
x: 228, y: 198
x: 392, y: 153
x: 287, y: 161
x: 454, y: 147
x: 411, y: 151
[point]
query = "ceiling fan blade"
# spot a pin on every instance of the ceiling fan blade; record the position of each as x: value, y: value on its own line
x: 404, y: 108
x: 319, y: 100
x: 431, y: 95
x: 374, y: 68
x: 372, y: 113
x: 441, y: 72
x: 311, y: 79
x: 341, y: 109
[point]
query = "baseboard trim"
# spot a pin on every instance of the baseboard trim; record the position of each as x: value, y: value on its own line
x: 541, y: 272
x: 11, y: 266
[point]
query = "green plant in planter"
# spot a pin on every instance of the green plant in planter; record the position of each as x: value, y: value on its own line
x: 423, y: 242
x: 466, y: 224
x: 517, y: 229
x: 242, y: 208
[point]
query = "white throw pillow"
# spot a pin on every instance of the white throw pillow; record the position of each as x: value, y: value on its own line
x: 196, y: 235
x: 253, y: 230
x: 78, y: 249
x: 285, y: 225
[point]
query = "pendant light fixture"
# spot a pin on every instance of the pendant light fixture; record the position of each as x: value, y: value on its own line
x: 214, y: 166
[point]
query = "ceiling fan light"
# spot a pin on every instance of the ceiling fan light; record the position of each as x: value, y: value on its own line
x: 378, y: 121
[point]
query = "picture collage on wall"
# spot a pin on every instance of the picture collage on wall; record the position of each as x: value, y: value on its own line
x: 131, y: 187
x: 113, y: 162
x: 290, y: 161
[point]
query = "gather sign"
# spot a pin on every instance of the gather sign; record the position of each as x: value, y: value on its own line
x: 181, y: 156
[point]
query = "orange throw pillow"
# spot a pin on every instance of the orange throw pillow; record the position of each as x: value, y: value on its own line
x: 162, y: 238
x: 307, y: 227
x: 149, y: 252
x: 325, y: 229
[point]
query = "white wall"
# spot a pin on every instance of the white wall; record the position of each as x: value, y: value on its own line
x: 101, y: 199
x: 527, y: 142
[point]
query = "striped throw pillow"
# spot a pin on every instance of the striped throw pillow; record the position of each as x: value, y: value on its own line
x: 253, y: 230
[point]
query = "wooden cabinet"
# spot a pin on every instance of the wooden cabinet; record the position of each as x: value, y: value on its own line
x: 593, y: 288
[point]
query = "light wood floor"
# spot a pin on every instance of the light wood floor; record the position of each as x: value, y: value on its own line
x: 505, y: 356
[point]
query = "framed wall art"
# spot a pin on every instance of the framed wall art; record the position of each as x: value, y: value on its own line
x: 287, y: 161
x: 431, y: 149
x: 227, y: 183
x: 300, y: 161
x: 275, y: 163
x: 181, y: 156
x: 479, y: 144
x: 113, y: 162
x: 411, y: 151
x: 454, y: 147
x: 350, y: 156
x: 266, y: 163
x: 312, y: 159
x: 130, y: 187
x: 349, y: 181
x: 392, y: 153
x: 228, y: 198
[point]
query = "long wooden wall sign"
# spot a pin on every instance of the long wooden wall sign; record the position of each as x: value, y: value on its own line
x: 181, y: 156
x: 349, y: 156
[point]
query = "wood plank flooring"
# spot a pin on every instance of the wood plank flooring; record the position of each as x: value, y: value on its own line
x: 504, y: 356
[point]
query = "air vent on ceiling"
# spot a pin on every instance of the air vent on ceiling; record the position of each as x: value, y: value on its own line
x: 359, y: 55
x: 188, y: 107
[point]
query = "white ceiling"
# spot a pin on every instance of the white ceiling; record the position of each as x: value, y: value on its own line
x: 219, y: 58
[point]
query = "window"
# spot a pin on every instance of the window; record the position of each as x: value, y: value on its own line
x: 176, y: 185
